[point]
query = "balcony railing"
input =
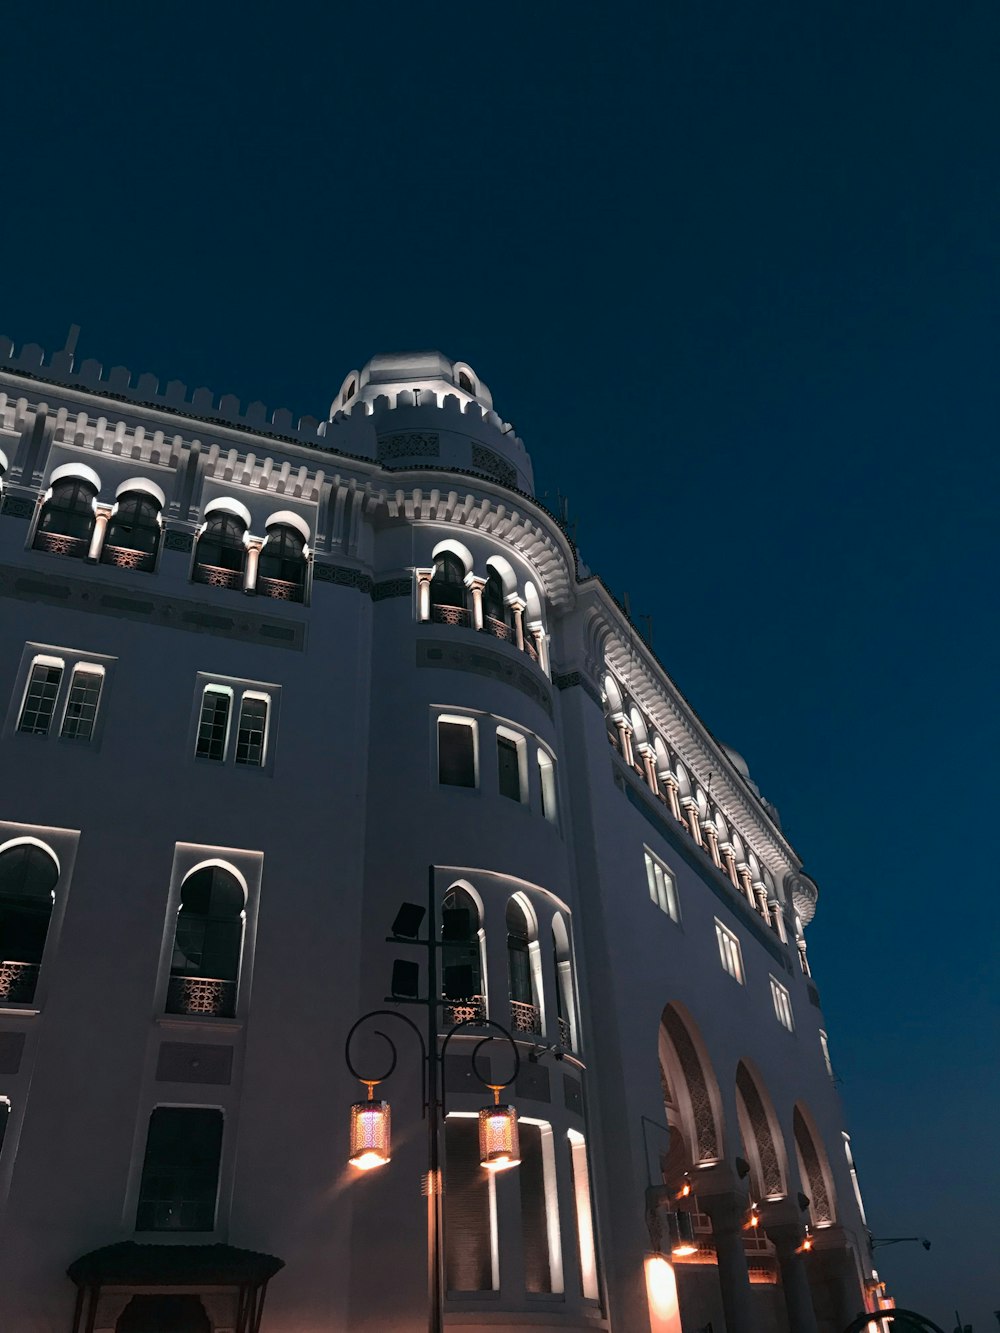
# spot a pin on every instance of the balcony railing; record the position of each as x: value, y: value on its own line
x: 17, y: 982
x: 56, y: 544
x: 498, y: 628
x: 210, y: 996
x: 450, y: 615
x: 565, y: 1034
x: 472, y: 1009
x: 524, y: 1017
x: 283, y: 589
x: 218, y: 578
x: 124, y: 557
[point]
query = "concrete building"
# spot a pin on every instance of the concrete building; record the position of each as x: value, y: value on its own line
x: 257, y: 677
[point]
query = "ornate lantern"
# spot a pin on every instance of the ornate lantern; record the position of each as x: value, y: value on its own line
x: 371, y: 1137
x: 499, y: 1146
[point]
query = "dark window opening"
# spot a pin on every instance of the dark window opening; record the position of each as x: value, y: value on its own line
x: 40, y: 699
x: 494, y: 604
x: 164, y: 1314
x: 69, y: 511
x: 209, y: 937
x: 252, y: 731
x: 461, y: 961
x: 221, y: 544
x: 283, y: 556
x: 81, y: 707
x: 28, y: 877
x: 518, y: 955
x: 180, y: 1173
x: 465, y: 382
x: 456, y: 755
x: 468, y: 1261
x: 448, y: 581
x: 509, y: 768
x: 134, y: 527
x: 213, y: 725
x: 534, y: 1224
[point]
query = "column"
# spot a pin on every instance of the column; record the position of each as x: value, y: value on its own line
x: 102, y: 514
x: 669, y: 784
x: 537, y: 632
x: 624, y: 728
x: 424, y: 577
x: 729, y: 860
x: 648, y: 758
x: 476, y: 586
x: 760, y: 893
x: 839, y: 1273
x: 803, y: 960
x: 254, y: 547
x: 710, y: 835
x: 778, y: 917
x: 787, y: 1240
x: 517, y: 606
x: 690, y: 806
x: 728, y: 1213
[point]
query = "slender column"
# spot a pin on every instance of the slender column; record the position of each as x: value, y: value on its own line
x: 690, y: 806
x: 254, y: 548
x: 729, y: 860
x: 646, y: 754
x: 711, y: 837
x: 778, y: 917
x: 537, y: 632
x: 803, y: 960
x: 102, y: 514
x: 624, y: 727
x: 728, y: 1213
x: 787, y: 1240
x: 517, y: 606
x: 760, y: 893
x: 669, y: 783
x: 424, y: 577
x: 476, y: 586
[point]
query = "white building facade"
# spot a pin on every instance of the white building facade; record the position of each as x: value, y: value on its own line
x: 257, y: 676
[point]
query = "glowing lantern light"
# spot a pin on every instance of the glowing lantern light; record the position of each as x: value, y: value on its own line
x: 499, y: 1144
x: 661, y: 1295
x: 682, y: 1235
x: 370, y: 1132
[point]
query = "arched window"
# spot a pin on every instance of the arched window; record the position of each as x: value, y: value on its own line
x: 67, y: 519
x: 221, y: 552
x: 524, y: 1015
x: 462, y: 957
x: 465, y: 382
x: 494, y: 604
x: 133, y: 533
x: 28, y: 877
x: 208, y: 944
x: 565, y: 994
x: 448, y: 581
x: 281, y: 571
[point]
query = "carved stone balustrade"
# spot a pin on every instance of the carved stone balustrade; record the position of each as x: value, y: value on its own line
x: 565, y: 1035
x: 210, y: 996
x: 123, y: 557
x: 218, y: 578
x: 451, y: 615
x: 498, y: 628
x: 472, y: 1009
x: 283, y: 589
x: 524, y: 1017
x: 17, y: 982
x: 56, y: 544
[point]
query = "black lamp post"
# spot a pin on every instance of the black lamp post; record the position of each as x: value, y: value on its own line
x: 370, y: 1119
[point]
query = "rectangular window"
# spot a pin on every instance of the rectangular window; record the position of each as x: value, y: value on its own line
x: 662, y: 888
x: 40, y: 696
x: 456, y: 753
x: 584, y: 1214
x: 547, y: 775
x: 470, y: 1259
x: 81, y: 706
x: 213, y: 725
x: 782, y: 1004
x: 539, y: 1210
x: 251, y: 736
x: 180, y: 1172
x: 729, y: 952
x: 509, y: 767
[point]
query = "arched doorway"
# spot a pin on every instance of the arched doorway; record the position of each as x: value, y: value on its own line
x: 164, y: 1314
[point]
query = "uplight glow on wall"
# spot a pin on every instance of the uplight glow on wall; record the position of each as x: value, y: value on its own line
x: 661, y: 1295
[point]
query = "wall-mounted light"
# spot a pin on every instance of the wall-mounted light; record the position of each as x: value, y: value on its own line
x: 753, y: 1221
x: 807, y: 1243
x: 685, y: 1188
x: 371, y: 1132
x: 499, y: 1142
x: 682, y: 1242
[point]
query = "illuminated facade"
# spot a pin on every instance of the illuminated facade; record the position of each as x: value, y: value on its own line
x: 257, y: 676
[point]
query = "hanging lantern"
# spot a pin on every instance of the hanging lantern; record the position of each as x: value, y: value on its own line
x: 370, y: 1132
x: 499, y: 1146
x: 682, y: 1240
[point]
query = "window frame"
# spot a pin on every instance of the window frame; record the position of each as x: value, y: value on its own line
x: 71, y: 660
x: 782, y: 1001
x: 729, y: 950
x: 186, y: 1231
x: 238, y: 690
x: 461, y: 720
x: 517, y: 740
x: 668, y: 900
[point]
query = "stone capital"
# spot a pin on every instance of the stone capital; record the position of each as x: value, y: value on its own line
x: 474, y: 582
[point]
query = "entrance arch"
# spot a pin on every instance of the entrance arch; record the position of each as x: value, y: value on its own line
x: 164, y: 1314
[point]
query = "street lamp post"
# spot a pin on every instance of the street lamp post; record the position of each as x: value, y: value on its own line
x: 370, y: 1119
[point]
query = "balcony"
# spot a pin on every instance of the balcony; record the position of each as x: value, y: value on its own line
x: 497, y: 629
x: 525, y: 1018
x: 124, y: 557
x: 565, y: 1035
x: 201, y: 996
x: 451, y: 615
x: 17, y: 982
x: 472, y: 1009
x: 217, y: 577
x: 56, y: 544
x: 282, y: 589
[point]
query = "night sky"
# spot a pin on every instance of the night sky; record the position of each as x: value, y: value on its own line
x: 733, y: 272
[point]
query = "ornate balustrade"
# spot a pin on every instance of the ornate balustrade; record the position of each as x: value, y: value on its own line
x: 524, y: 1017
x: 498, y: 628
x: 201, y: 995
x: 450, y: 615
x: 218, y: 578
x: 472, y: 1009
x: 56, y: 544
x: 17, y: 982
x: 565, y: 1035
x: 124, y: 557
x: 283, y: 589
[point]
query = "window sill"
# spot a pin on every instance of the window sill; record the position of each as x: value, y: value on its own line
x: 18, y: 1010
x: 199, y: 1021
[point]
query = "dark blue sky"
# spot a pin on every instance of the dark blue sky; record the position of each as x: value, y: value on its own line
x: 735, y: 278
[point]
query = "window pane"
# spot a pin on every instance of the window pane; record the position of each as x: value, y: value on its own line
x: 180, y: 1173
x: 468, y: 1259
x: 213, y: 725
x: 40, y: 699
x: 252, y: 729
x: 81, y: 707
x: 508, y: 764
x: 456, y: 755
